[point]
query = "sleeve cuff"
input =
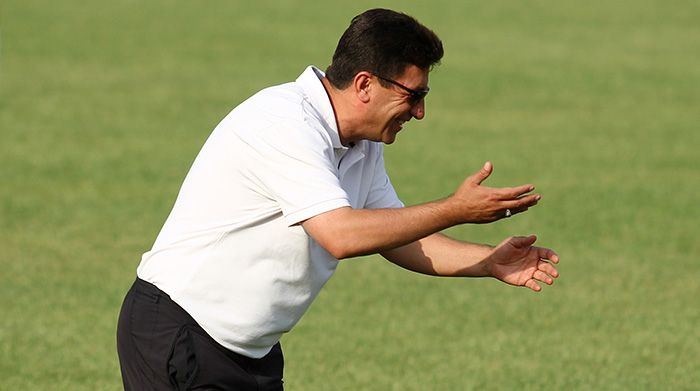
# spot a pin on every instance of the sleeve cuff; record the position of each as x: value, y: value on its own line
x: 316, y: 209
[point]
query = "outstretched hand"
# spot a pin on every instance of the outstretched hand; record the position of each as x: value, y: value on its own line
x: 517, y: 262
x: 475, y: 203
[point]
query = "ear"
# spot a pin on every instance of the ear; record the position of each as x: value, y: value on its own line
x: 361, y: 84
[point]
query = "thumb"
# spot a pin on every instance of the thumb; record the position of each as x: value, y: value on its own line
x: 523, y: 241
x: 482, y: 174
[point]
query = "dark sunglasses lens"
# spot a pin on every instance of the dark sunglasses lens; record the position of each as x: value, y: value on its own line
x: 418, y: 96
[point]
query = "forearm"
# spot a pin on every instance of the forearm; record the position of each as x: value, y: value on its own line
x: 441, y: 255
x: 347, y: 232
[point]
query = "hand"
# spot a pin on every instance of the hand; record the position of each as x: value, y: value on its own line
x: 516, y: 262
x: 475, y: 203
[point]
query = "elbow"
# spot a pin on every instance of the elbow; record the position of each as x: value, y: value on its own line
x: 343, y: 248
x: 330, y: 231
x: 339, y: 251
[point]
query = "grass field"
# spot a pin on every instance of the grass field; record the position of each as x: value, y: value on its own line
x: 103, y: 106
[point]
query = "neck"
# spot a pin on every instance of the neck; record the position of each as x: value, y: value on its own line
x: 342, y: 106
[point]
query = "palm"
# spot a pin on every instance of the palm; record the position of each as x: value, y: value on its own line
x: 515, y: 261
x: 516, y: 271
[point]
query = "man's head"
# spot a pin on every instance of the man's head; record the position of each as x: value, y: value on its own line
x: 379, y: 75
x: 383, y: 42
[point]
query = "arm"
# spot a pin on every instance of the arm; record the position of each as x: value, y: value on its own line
x: 515, y: 261
x: 347, y: 232
x: 440, y: 255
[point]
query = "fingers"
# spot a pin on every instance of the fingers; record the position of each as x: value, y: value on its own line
x: 548, y: 268
x: 521, y: 205
x: 548, y: 254
x: 543, y: 277
x: 517, y: 199
x: 482, y: 174
x: 514, y: 200
x: 540, y: 275
x: 509, y: 193
x: 545, y: 273
x: 522, y: 241
x: 505, y: 193
x: 533, y: 285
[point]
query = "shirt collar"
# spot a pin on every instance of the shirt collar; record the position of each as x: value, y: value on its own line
x: 310, y: 81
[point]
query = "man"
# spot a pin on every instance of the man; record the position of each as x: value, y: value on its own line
x: 290, y: 182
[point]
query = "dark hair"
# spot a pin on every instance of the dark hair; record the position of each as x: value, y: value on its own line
x: 383, y: 42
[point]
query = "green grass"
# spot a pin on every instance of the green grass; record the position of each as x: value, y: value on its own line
x: 103, y: 106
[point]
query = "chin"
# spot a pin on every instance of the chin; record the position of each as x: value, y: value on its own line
x: 389, y: 140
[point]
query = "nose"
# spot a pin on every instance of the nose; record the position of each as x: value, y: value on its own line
x: 418, y: 110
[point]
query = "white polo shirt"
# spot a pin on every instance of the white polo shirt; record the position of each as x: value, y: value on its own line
x: 232, y: 253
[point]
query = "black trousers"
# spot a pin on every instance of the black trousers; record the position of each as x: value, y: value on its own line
x: 162, y: 348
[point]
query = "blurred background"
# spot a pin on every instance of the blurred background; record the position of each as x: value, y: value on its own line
x: 104, y: 105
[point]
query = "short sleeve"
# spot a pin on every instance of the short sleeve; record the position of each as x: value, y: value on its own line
x: 293, y: 163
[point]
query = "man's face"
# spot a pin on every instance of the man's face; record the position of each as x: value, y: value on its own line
x: 394, y: 105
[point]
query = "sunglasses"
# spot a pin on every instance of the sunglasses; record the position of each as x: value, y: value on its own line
x: 415, y: 96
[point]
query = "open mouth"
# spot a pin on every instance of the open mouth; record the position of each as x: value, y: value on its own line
x: 400, y: 123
